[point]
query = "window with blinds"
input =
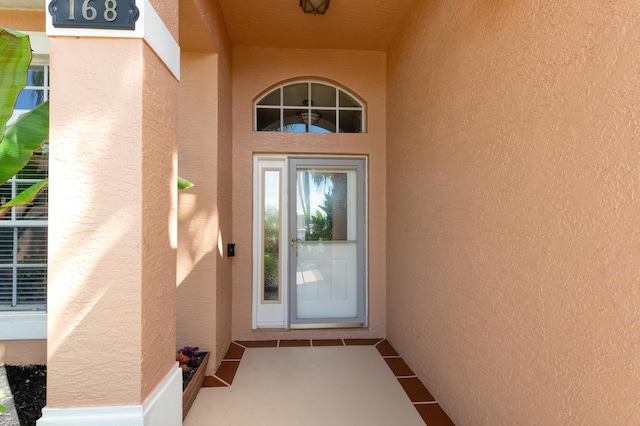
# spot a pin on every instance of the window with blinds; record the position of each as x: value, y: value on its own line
x: 23, y: 230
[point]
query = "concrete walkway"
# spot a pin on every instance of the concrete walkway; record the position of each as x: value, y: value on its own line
x: 9, y: 417
x: 307, y: 386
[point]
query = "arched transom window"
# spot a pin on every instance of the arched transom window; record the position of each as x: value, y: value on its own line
x: 309, y: 107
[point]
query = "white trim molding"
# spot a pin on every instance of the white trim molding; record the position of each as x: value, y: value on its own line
x: 149, y: 27
x: 23, y: 325
x: 39, y: 42
x: 162, y: 408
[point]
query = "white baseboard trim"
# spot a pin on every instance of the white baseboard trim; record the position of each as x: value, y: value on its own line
x: 162, y: 408
x: 164, y: 405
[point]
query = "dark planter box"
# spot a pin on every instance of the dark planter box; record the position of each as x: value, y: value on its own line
x: 190, y: 393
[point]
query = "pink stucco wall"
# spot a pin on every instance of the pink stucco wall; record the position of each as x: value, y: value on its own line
x: 513, y: 176
x: 23, y: 352
x: 23, y: 20
x: 257, y: 69
x: 224, y: 279
x: 199, y: 218
x: 204, y: 272
x: 159, y: 218
x: 111, y: 319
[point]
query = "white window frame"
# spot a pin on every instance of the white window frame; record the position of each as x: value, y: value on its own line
x: 282, y: 107
x: 268, y: 314
x: 27, y: 324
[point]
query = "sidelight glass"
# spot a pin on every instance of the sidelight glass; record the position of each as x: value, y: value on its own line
x: 272, y: 226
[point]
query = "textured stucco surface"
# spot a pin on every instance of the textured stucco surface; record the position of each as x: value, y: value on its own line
x: 224, y: 273
x: 204, y: 271
x: 23, y: 352
x: 255, y: 71
x: 352, y: 25
x: 513, y: 208
x: 111, y: 320
x: 94, y: 247
x: 22, y: 20
x: 203, y: 28
x: 159, y: 221
x: 198, y: 225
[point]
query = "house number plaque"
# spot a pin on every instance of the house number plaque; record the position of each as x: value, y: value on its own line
x: 105, y: 14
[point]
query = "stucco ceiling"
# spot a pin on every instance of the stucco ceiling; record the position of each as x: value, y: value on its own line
x: 348, y: 24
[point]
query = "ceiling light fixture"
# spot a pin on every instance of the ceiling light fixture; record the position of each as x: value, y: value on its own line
x: 307, y: 116
x: 314, y: 6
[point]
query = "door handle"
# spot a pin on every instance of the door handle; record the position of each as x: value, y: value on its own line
x: 294, y: 240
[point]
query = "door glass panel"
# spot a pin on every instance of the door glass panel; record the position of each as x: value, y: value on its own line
x: 326, y: 282
x: 322, y: 205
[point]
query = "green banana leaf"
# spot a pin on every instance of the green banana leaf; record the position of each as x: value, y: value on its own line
x: 184, y: 184
x: 15, y: 56
x: 22, y: 139
x: 25, y: 197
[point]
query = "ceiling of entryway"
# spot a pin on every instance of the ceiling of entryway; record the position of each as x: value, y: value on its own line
x: 348, y: 24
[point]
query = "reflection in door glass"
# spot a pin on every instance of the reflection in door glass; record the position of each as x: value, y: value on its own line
x: 322, y: 205
x: 271, y: 209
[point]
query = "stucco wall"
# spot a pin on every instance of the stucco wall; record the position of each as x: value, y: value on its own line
x: 204, y: 273
x: 513, y: 224
x: 224, y: 279
x: 111, y: 322
x: 254, y: 71
x: 198, y: 254
x: 23, y: 352
x: 159, y: 219
x: 94, y: 249
x: 22, y: 20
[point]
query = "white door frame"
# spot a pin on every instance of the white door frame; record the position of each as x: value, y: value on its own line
x: 276, y: 313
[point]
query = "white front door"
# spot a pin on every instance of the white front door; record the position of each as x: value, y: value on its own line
x: 317, y: 278
x: 326, y: 230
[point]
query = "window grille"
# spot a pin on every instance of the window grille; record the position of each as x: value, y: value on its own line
x: 310, y: 107
x: 23, y: 230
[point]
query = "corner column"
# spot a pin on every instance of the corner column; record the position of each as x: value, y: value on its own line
x: 112, y: 232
